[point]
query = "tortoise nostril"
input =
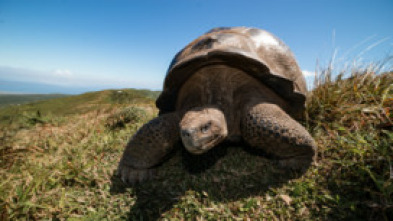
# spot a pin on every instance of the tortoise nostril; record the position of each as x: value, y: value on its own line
x: 185, y: 133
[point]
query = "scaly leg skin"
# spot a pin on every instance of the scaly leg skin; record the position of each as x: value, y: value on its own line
x: 268, y: 127
x: 149, y: 147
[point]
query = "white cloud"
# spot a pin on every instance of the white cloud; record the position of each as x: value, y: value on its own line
x: 63, y: 72
x: 307, y: 73
x: 68, y: 78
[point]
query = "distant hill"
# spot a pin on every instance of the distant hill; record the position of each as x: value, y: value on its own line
x: 61, y: 104
x: 12, y: 99
x: 118, y: 96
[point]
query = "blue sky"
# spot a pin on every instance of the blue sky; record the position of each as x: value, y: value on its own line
x: 74, y: 46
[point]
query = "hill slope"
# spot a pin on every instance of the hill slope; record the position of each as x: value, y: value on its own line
x: 16, y: 99
x: 59, y: 161
x: 79, y: 104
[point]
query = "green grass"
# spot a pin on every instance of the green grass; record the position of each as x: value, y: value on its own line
x: 76, y: 105
x: 17, y: 99
x: 57, y: 162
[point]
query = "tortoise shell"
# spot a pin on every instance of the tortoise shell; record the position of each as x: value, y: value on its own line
x: 255, y: 51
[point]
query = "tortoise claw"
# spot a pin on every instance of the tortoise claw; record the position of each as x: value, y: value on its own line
x: 297, y: 163
x: 131, y: 176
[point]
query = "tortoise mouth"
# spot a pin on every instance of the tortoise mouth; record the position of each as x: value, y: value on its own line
x: 202, y: 145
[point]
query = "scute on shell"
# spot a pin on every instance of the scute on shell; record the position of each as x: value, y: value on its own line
x: 255, y: 51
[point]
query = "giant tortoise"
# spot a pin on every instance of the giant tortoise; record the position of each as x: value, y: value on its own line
x: 237, y: 84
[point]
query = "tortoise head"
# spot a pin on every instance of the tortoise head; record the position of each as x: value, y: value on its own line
x: 202, y: 128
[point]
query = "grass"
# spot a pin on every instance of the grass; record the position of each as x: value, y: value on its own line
x: 58, y: 157
x: 17, y: 99
x: 56, y: 109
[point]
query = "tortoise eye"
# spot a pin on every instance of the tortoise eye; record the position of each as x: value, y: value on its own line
x: 206, y: 127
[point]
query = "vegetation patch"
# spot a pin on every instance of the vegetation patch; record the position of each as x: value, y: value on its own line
x: 128, y: 115
x: 17, y: 99
x: 133, y: 96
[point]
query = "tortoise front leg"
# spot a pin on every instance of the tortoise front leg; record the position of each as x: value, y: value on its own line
x: 268, y: 127
x: 148, y: 147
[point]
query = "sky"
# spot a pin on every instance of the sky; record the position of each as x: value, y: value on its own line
x: 75, y: 46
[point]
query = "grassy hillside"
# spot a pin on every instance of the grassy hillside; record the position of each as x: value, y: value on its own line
x: 58, y: 159
x: 77, y: 104
x: 15, y: 99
